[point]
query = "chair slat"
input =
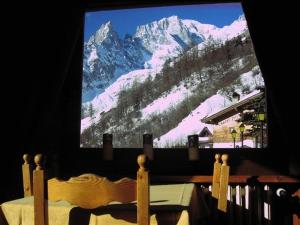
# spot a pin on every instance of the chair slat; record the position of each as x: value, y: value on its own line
x: 104, y: 191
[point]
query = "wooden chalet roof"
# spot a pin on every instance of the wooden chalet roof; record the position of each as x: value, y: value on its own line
x: 206, y: 131
x: 216, y: 117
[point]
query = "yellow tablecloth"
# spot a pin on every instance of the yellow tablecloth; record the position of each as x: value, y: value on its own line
x: 174, y: 204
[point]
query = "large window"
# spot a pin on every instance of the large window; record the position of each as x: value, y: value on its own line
x: 172, y: 71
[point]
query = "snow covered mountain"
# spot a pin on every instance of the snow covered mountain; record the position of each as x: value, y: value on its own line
x: 107, y: 57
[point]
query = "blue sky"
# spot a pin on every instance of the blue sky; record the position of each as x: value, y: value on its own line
x: 126, y: 20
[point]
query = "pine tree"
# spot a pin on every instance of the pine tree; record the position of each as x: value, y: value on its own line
x: 249, y: 116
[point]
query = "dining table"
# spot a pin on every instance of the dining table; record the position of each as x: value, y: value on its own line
x: 170, y: 204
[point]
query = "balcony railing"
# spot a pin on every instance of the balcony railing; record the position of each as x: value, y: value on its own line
x: 262, y: 200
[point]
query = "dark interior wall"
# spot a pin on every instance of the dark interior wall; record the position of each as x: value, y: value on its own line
x: 41, y: 39
x: 272, y: 27
x: 42, y: 93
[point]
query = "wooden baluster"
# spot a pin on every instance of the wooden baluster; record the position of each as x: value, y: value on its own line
x: 39, y: 192
x: 267, y: 205
x: 224, y: 178
x: 143, y: 195
x: 259, y: 204
x: 231, y: 197
x: 27, y: 177
x: 251, y: 206
x: 245, y: 204
x: 240, y: 204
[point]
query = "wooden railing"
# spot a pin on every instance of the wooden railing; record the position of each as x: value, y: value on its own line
x: 260, y: 200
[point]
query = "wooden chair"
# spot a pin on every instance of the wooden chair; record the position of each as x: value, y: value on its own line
x: 90, y: 191
x: 220, y: 181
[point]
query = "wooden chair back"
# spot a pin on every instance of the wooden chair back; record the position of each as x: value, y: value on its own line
x: 90, y: 191
x: 220, y: 181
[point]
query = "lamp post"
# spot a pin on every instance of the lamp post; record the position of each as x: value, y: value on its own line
x: 233, y: 134
x: 242, y: 129
x: 261, y: 119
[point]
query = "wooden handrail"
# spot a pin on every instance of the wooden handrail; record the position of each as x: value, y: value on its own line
x: 233, y: 179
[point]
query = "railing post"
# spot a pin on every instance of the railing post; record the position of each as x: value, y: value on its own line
x: 107, y: 147
x: 193, y: 142
x: 148, y: 145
